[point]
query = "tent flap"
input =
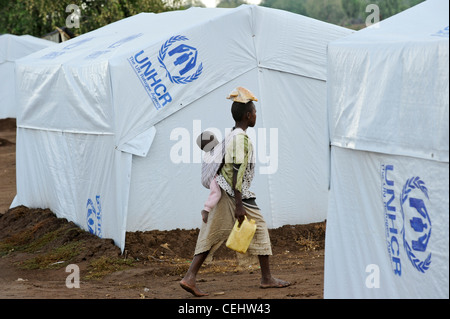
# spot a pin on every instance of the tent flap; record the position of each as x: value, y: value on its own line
x: 140, y: 144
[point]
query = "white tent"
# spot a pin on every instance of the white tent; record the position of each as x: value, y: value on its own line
x: 13, y: 47
x: 107, y: 139
x: 388, y: 218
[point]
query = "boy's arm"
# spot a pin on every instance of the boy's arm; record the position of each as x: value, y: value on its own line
x: 240, y: 159
x: 240, y: 211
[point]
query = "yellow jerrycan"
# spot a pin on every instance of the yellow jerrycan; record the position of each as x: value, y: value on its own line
x: 240, y: 237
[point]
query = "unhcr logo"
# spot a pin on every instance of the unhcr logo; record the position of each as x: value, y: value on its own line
x: 150, y: 79
x: 407, y: 220
x: 94, y: 216
x: 178, y: 61
x: 442, y: 33
x: 182, y: 60
x: 416, y: 223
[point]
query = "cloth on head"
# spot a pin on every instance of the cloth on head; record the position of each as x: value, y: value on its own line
x: 242, y: 95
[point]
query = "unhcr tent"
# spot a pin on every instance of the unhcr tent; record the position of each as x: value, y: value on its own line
x: 13, y: 47
x: 388, y: 218
x: 107, y: 139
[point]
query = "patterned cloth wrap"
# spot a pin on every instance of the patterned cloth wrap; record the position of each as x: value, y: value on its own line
x: 213, y: 159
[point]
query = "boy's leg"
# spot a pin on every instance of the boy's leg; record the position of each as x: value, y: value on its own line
x: 188, y: 283
x: 267, y: 281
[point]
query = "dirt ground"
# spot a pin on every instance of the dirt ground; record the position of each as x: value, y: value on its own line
x: 36, y: 247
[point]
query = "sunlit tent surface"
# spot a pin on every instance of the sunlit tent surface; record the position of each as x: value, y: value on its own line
x: 107, y: 137
x: 13, y: 47
x: 387, y: 226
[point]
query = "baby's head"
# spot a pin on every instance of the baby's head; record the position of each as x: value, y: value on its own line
x: 206, y: 141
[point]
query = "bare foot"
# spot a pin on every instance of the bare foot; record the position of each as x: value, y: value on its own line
x: 274, y: 283
x: 192, y: 288
x: 205, y: 216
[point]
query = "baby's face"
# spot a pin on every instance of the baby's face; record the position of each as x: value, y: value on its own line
x: 209, y: 144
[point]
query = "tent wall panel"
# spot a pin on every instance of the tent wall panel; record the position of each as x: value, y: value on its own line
x: 370, y: 227
x: 298, y: 174
x: 80, y: 177
x: 388, y: 97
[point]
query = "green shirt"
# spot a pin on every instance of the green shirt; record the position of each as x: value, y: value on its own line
x: 237, y: 155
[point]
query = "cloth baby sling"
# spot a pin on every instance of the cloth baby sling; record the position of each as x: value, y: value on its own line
x: 214, y: 159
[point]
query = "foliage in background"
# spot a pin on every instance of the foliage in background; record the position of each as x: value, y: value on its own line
x: 39, y: 17
x: 230, y: 3
x: 340, y: 12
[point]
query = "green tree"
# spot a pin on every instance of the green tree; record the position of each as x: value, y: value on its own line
x: 38, y: 17
x: 342, y: 12
x: 35, y: 17
x: 326, y: 10
x: 288, y: 5
x: 391, y: 7
x: 230, y: 3
x: 354, y: 10
x: 192, y: 3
